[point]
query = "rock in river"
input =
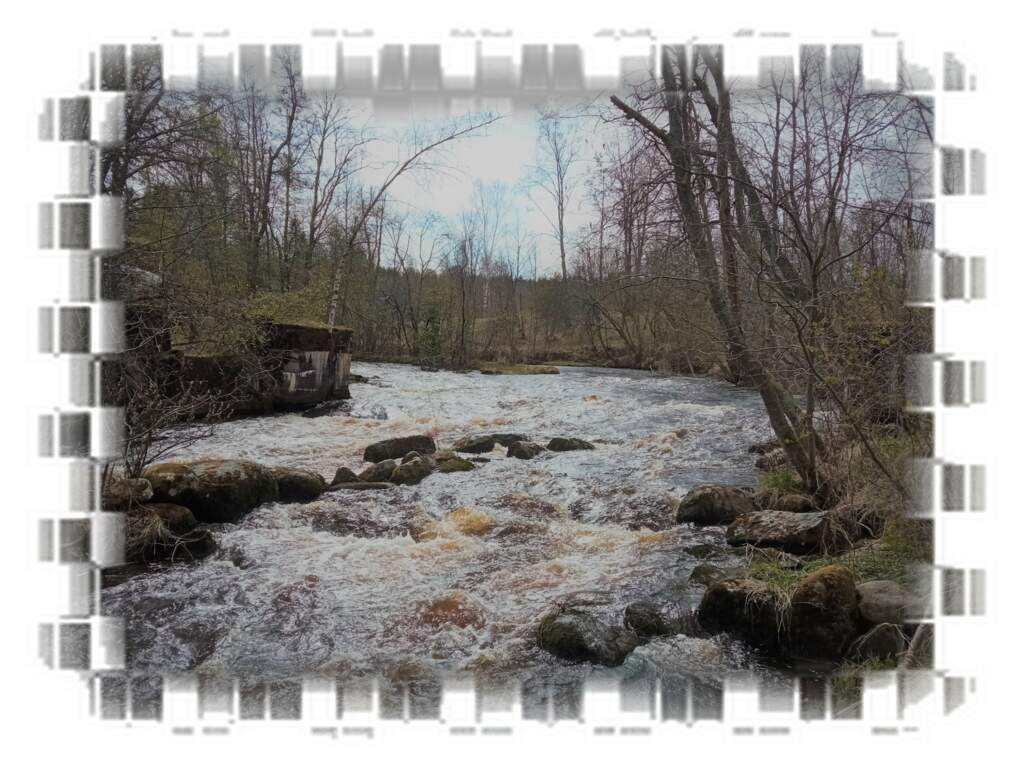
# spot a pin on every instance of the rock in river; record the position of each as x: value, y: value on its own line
x: 344, y: 475
x: 411, y: 473
x: 713, y: 505
x: 216, y: 490
x: 796, y: 532
x: 569, y: 444
x: 479, y: 444
x: 645, y: 619
x: 297, y: 484
x: 522, y: 450
x: 455, y: 465
x: 577, y: 636
x: 379, y: 472
x: 823, y: 617
x: 397, y: 447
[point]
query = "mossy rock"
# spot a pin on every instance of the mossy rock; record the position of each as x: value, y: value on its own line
x: 397, y: 447
x: 823, y: 618
x: 379, y: 472
x: 410, y: 473
x: 522, y: 450
x: 456, y: 465
x: 216, y: 490
x: 344, y: 475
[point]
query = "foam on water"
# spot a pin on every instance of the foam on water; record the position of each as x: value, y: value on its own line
x: 339, y: 585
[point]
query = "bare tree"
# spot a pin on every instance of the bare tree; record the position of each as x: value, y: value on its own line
x: 558, y: 153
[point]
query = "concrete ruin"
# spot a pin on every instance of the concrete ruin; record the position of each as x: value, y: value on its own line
x: 304, y: 377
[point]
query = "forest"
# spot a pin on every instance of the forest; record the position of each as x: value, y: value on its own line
x: 764, y: 234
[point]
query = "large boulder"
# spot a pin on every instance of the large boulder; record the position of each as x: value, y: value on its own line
x: 569, y: 444
x: 745, y: 607
x: 297, y: 485
x: 796, y: 532
x: 574, y: 635
x: 126, y: 492
x: 411, y: 473
x: 644, y: 619
x: 713, y: 505
x: 823, y: 617
x: 216, y: 490
x: 524, y: 450
x: 397, y: 447
x: 885, y: 602
x: 479, y: 444
x: 379, y: 472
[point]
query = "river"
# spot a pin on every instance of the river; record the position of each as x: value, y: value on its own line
x: 338, y: 586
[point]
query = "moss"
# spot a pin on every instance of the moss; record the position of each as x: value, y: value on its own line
x: 904, y: 544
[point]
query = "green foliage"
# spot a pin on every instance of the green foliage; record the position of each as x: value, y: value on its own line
x: 904, y: 544
x: 429, y: 342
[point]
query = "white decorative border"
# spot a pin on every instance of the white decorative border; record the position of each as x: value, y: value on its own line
x: 960, y: 540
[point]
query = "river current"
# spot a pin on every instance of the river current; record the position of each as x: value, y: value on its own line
x: 338, y: 586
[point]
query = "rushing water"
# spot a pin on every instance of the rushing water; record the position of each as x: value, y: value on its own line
x: 339, y: 586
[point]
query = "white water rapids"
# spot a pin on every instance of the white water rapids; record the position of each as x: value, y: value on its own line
x: 338, y: 586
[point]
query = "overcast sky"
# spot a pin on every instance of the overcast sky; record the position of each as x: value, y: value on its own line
x: 504, y: 152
